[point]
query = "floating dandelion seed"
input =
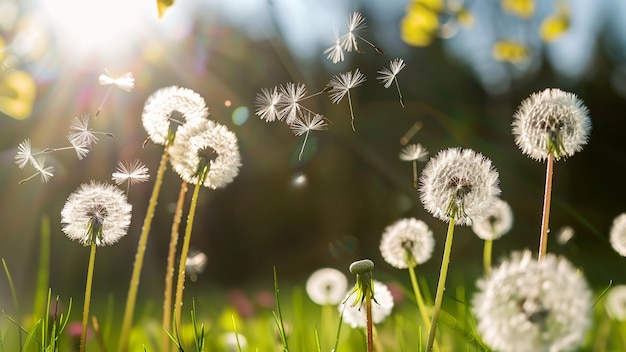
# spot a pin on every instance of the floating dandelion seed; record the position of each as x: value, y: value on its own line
x: 327, y: 286
x: 356, y: 22
x: 24, y: 154
x: 340, y: 86
x: 267, y: 103
x: 125, y: 82
x: 389, y: 76
x: 414, y: 153
x: 46, y: 172
x: 530, y: 305
x: 290, y: 96
x: 135, y: 172
x: 81, y: 134
x: 80, y: 147
x: 160, y: 106
x: 306, y: 124
x: 354, y: 316
x: 335, y: 52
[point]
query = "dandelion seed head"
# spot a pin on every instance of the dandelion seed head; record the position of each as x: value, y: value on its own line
x: 404, y: 238
x: 495, y: 223
x: 414, y: 152
x: 551, y: 122
x: 162, y: 103
x: 327, y: 286
x: 194, y: 138
x: 387, y: 75
x: 96, y: 207
x: 135, y: 172
x: 267, y: 103
x: 615, y: 303
x: 355, y: 316
x: 195, y: 264
x: 617, y: 235
x: 530, y: 305
x: 341, y: 84
x: 234, y: 342
x: 459, y: 183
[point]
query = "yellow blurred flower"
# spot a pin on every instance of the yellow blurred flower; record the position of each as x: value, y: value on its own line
x: 522, y: 8
x: 554, y: 26
x: 510, y: 51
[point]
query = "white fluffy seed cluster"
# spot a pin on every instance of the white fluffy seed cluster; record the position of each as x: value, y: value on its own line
x: 530, y: 305
x: 407, y: 237
x: 495, y: 223
x: 615, y: 303
x: 205, y: 136
x: 551, y: 122
x: 459, y: 183
x: 617, y: 235
x: 96, y: 203
x: 327, y: 286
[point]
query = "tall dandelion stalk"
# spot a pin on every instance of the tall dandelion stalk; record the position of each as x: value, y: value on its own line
x: 550, y: 125
x: 457, y: 186
x: 364, y: 290
x: 95, y: 215
x: 169, y: 271
x: 204, y: 153
x: 158, y: 121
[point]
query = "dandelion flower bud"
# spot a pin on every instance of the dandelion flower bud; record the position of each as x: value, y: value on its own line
x: 551, y: 122
x: 458, y: 183
x: 361, y: 267
x: 356, y: 316
x: 530, y: 305
x: 407, y: 242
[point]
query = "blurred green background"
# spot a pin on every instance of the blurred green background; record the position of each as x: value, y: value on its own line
x: 355, y: 185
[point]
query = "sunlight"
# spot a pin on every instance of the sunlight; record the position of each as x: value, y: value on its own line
x: 96, y: 29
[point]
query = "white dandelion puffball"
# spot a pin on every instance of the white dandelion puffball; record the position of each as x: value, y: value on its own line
x: 495, y: 223
x: 458, y: 183
x: 551, y: 122
x: 158, y: 109
x: 327, y: 286
x: 96, y: 207
x: 615, y: 303
x: 233, y: 341
x: 205, y: 141
x: 356, y: 316
x: 529, y: 305
x: 618, y: 234
x: 407, y: 237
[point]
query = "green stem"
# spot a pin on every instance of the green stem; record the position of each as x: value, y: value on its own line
x: 141, y: 249
x: 487, y: 249
x: 420, y: 301
x: 92, y: 260
x: 543, y: 244
x: 368, y: 310
x: 441, y: 286
x: 169, y: 271
x: 180, y: 283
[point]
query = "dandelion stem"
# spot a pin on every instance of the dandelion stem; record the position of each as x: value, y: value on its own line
x: 141, y: 249
x: 415, y: 183
x: 92, y: 260
x: 368, y: 310
x: 441, y: 285
x: 169, y: 271
x: 306, y: 136
x: 180, y: 283
x: 351, y: 112
x: 543, y: 244
x: 399, y: 93
x: 487, y: 249
x: 103, y: 100
x: 420, y: 301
